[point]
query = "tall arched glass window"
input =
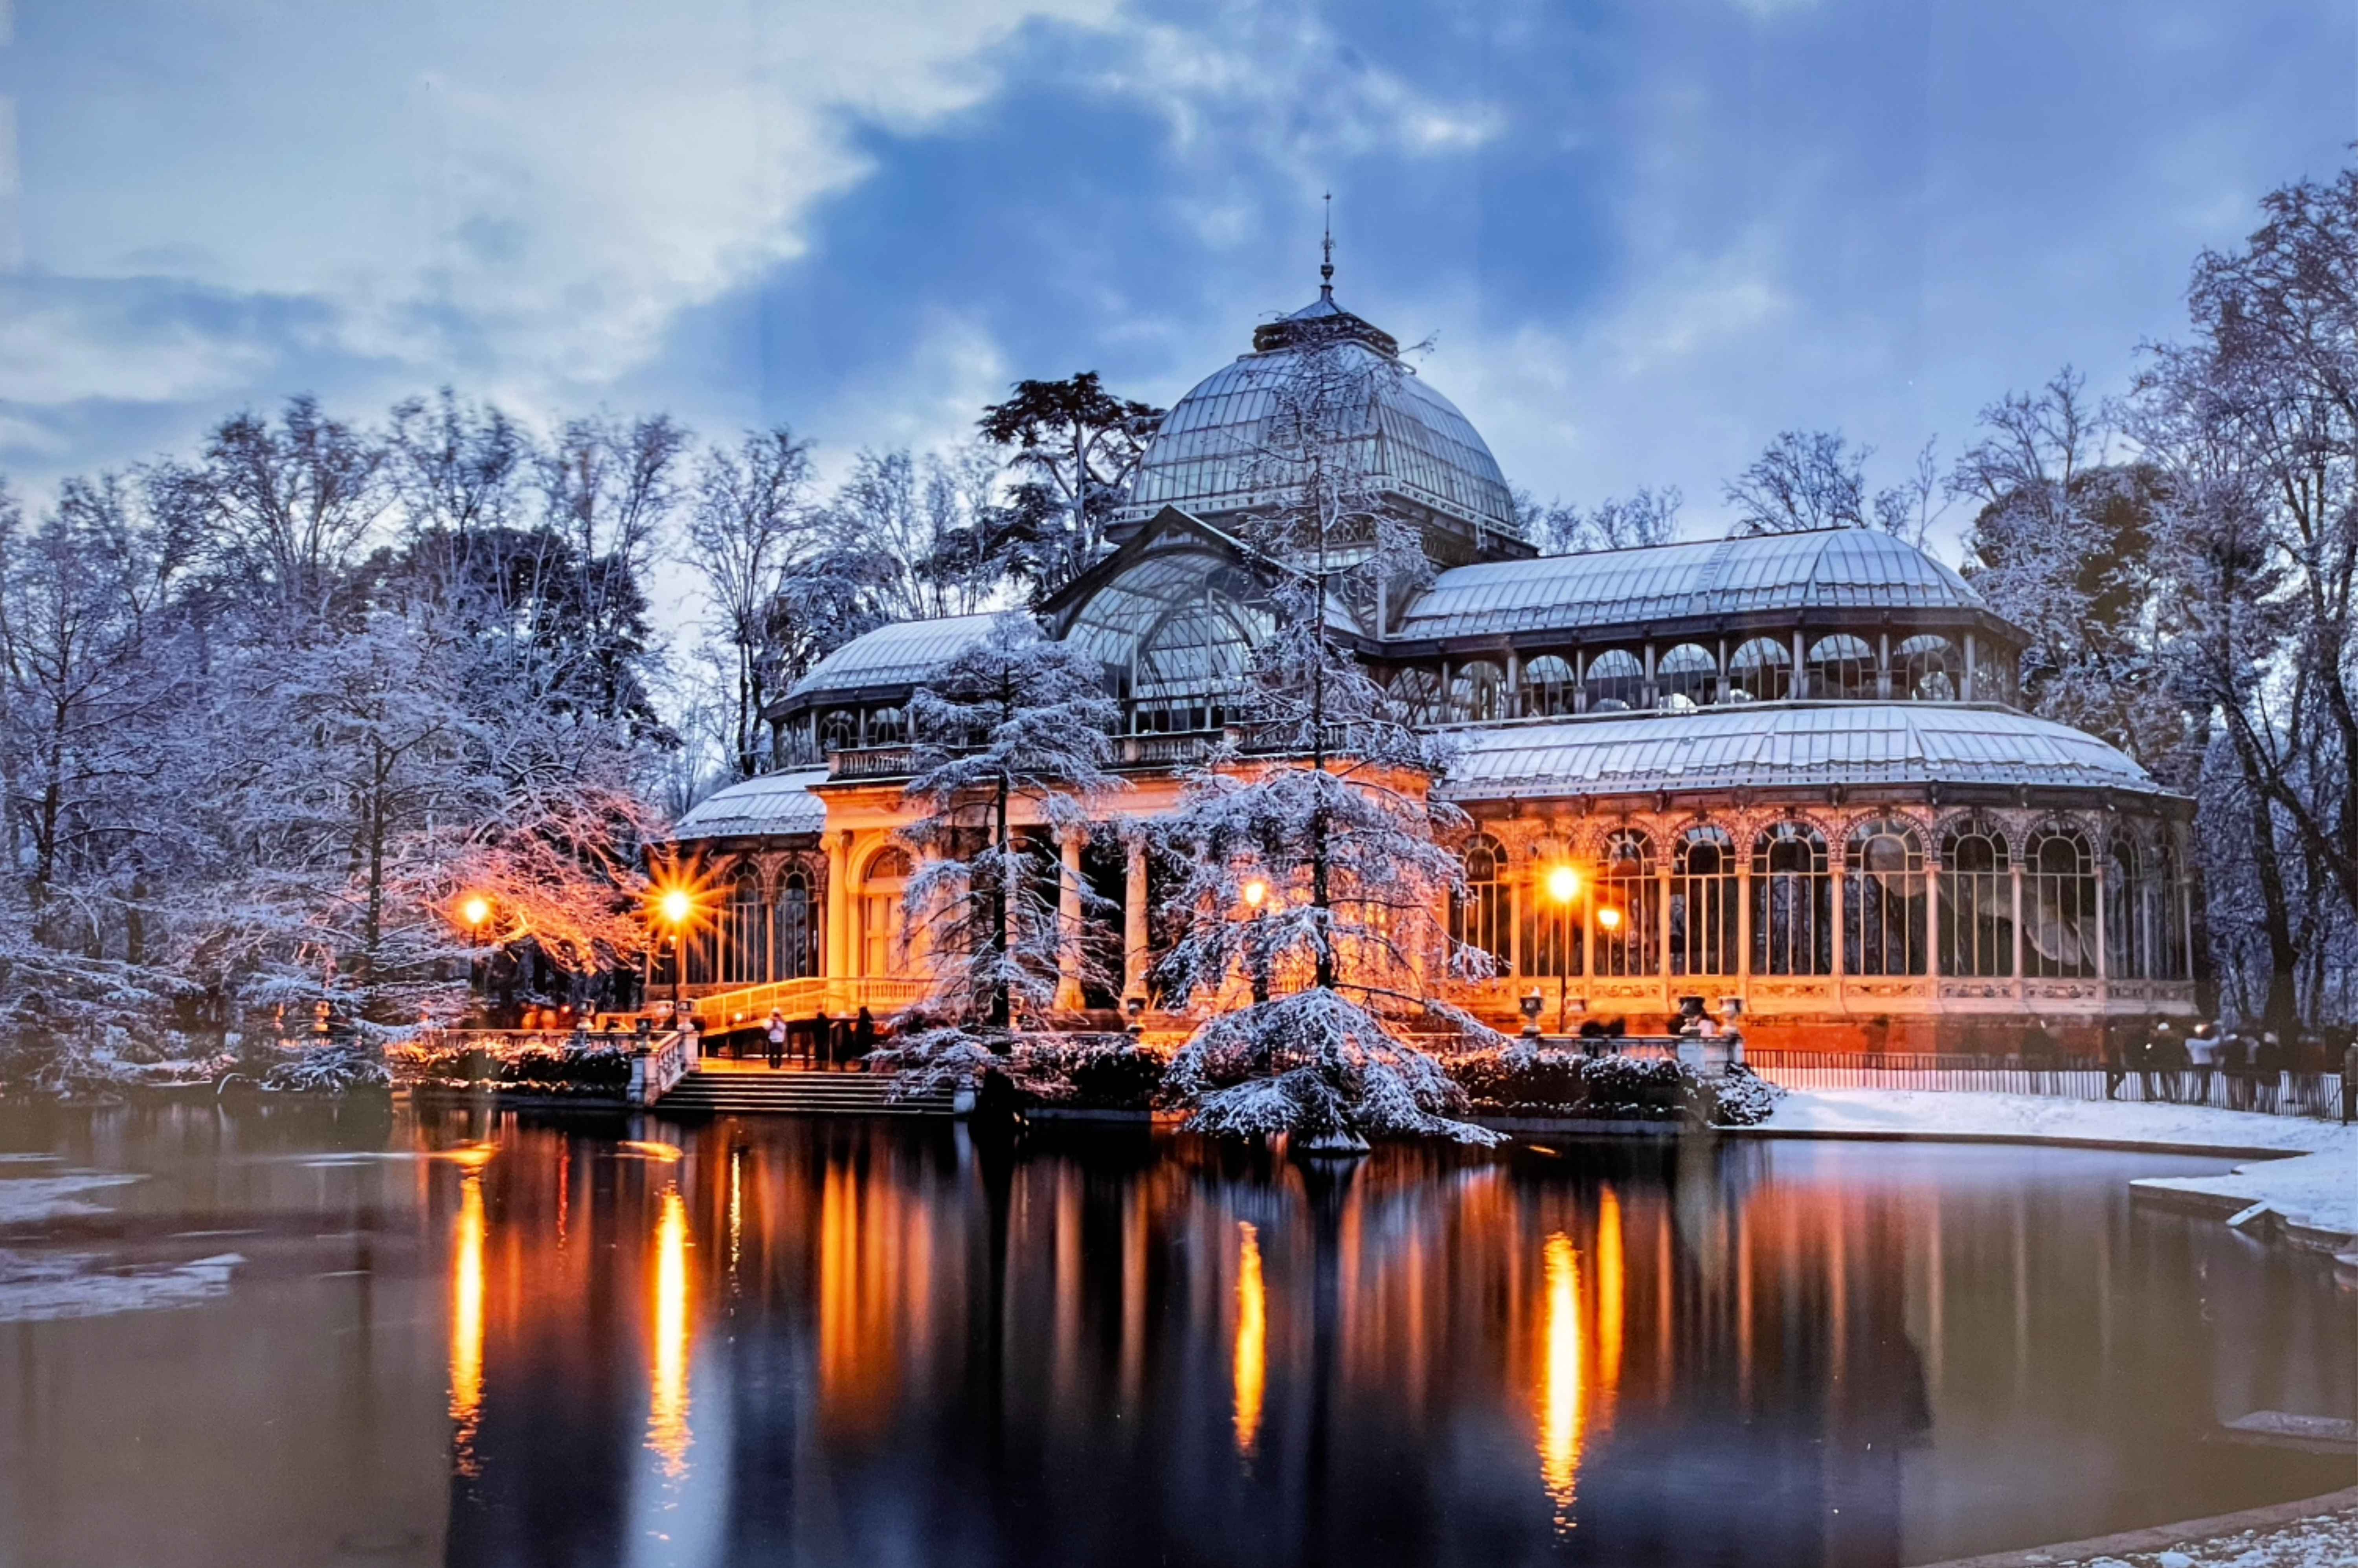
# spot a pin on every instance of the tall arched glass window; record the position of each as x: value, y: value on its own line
x: 2172, y: 957
x: 2059, y: 906
x: 745, y: 932
x: 887, y: 727
x: 1702, y: 902
x: 1883, y: 900
x: 1760, y: 671
x: 1976, y: 900
x: 1616, y: 682
x: 1552, y: 938
x: 1628, y: 909
x: 1477, y: 691
x: 1688, y: 673
x: 1842, y: 667
x: 882, y: 915
x: 793, y: 933
x: 1415, y: 695
x: 1926, y: 669
x: 2130, y: 924
x: 838, y: 729
x: 1792, y: 903
x: 1478, y: 916
x: 1548, y: 687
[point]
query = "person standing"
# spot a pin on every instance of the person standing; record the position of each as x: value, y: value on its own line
x: 2115, y: 1062
x: 2169, y: 1060
x: 2201, y: 1056
x: 2350, y: 1081
x: 863, y: 1034
x: 777, y: 1032
x: 2267, y: 1070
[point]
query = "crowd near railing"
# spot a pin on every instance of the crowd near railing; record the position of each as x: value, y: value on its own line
x: 2278, y: 1094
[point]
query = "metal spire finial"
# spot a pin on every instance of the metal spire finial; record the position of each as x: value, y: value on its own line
x: 1326, y: 250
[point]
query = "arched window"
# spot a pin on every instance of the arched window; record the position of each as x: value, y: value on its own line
x: 1477, y: 691
x: 1616, y: 682
x: 1926, y: 669
x: 1760, y: 671
x: 1688, y: 673
x: 793, y: 933
x: 1702, y: 902
x: 887, y: 727
x: 745, y: 932
x: 838, y: 729
x: 1883, y: 900
x: 1478, y: 917
x: 1548, y: 687
x: 1415, y: 695
x: 1553, y: 933
x: 2171, y: 958
x: 1842, y: 667
x: 1792, y: 903
x: 1976, y: 900
x: 1629, y: 906
x: 2059, y: 906
x: 2131, y: 911
x: 882, y: 915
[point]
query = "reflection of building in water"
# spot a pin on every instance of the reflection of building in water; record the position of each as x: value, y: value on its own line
x: 940, y: 1352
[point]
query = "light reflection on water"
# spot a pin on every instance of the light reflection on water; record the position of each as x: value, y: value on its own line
x: 839, y: 1342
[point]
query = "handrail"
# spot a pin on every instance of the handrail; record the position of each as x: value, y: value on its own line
x: 657, y: 1070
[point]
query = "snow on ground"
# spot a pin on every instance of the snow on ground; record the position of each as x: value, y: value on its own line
x: 2324, y: 1541
x: 42, y: 1289
x: 2319, y: 1190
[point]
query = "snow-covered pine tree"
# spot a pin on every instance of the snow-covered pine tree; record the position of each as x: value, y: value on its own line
x: 1013, y: 736
x: 1314, y: 862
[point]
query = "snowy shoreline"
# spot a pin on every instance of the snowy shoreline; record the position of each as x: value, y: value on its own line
x: 2303, y: 1173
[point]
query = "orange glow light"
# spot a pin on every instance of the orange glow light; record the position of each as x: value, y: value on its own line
x: 475, y: 910
x: 1256, y: 892
x: 1561, y: 1393
x: 1564, y: 884
x: 1252, y: 1340
x: 674, y: 906
x: 1610, y: 918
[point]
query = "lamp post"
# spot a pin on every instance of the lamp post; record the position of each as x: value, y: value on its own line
x: 674, y: 906
x: 1257, y: 894
x: 474, y: 913
x: 1564, y: 886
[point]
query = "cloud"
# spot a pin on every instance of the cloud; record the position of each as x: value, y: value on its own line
x: 537, y: 195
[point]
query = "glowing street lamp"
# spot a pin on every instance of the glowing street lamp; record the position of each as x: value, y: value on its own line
x: 1256, y: 893
x: 673, y: 906
x: 1564, y: 887
x: 474, y: 913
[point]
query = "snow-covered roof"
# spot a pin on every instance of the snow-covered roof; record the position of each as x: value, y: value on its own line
x: 1774, y: 745
x: 772, y: 803
x: 1207, y: 455
x: 899, y: 654
x: 1833, y: 568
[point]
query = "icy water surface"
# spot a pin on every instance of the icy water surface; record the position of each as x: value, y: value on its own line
x: 307, y: 1338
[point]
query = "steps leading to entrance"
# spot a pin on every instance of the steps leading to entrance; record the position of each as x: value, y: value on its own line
x: 795, y: 1094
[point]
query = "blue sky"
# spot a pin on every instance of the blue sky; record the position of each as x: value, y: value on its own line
x: 1643, y: 237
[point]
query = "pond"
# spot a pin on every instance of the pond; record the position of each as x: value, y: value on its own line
x: 306, y: 1335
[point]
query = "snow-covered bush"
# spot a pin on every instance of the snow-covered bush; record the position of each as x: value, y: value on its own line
x: 1318, y: 1065
x: 1097, y: 1071
x: 1523, y: 1081
x: 341, y: 1067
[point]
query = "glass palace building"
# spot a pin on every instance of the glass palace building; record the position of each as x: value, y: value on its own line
x: 1790, y: 768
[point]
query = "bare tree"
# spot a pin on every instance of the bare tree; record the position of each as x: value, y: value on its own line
x: 747, y: 518
x: 1645, y: 516
x: 1802, y: 480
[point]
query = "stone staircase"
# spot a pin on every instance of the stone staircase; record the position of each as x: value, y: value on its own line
x: 789, y: 1093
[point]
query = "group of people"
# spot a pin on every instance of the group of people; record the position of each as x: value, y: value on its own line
x: 2251, y: 1070
x: 818, y: 1041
